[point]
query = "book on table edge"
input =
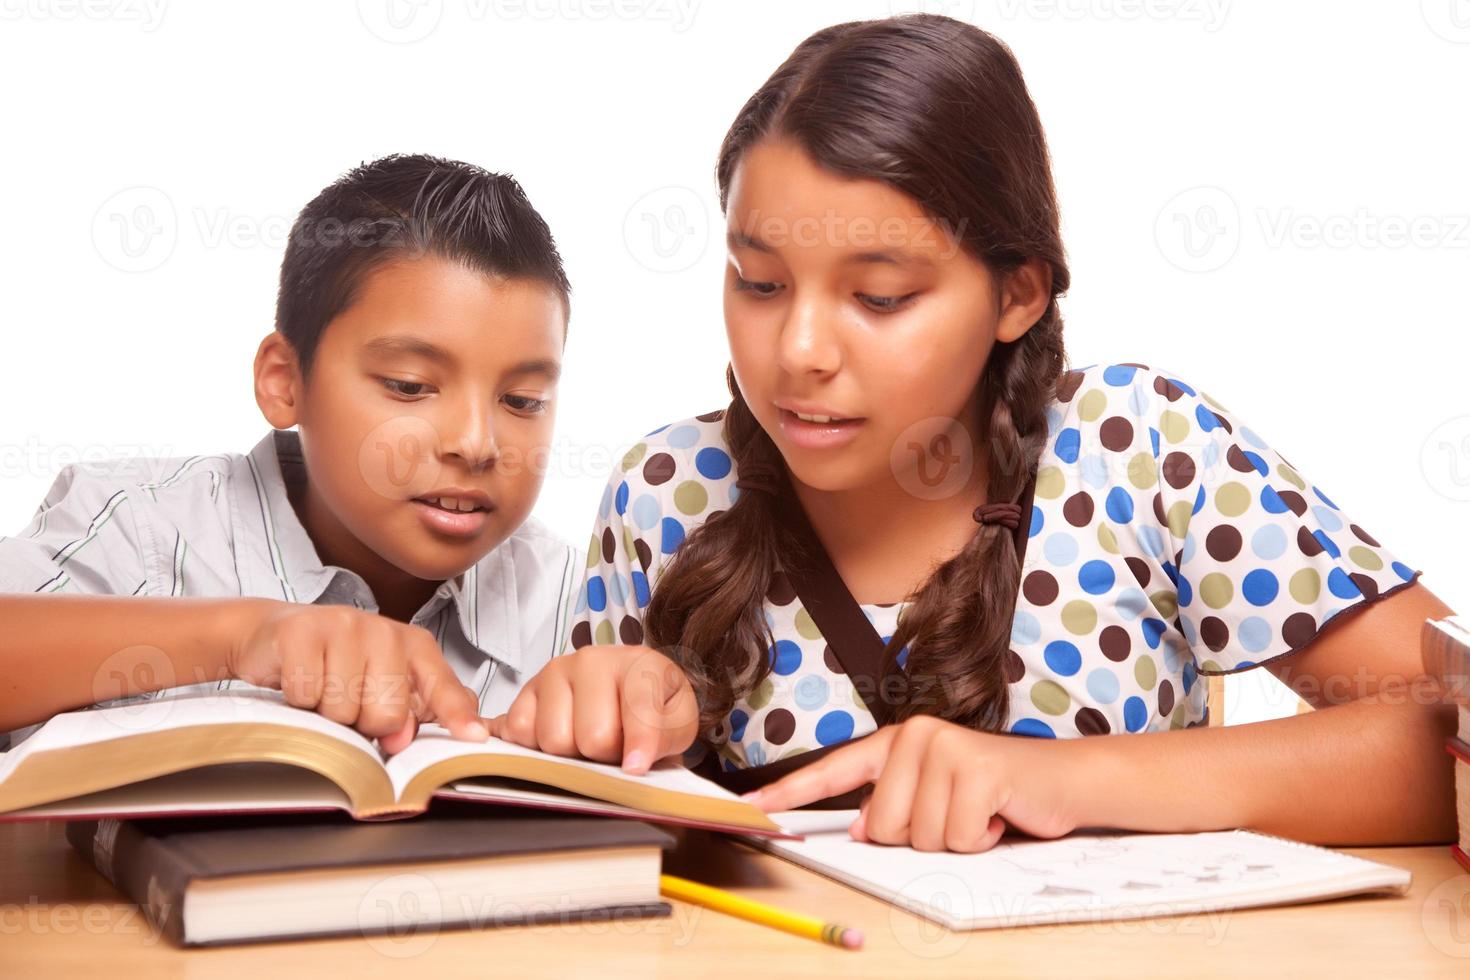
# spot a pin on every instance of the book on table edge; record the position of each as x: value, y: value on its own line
x: 263, y: 877
x: 248, y: 751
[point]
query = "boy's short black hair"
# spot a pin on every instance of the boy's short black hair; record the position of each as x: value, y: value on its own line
x: 406, y: 206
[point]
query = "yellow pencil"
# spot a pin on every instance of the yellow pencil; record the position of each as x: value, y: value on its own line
x: 767, y: 915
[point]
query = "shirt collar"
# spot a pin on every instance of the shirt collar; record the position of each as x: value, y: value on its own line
x: 280, y: 561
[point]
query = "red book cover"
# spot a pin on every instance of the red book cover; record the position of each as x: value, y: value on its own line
x: 1460, y: 855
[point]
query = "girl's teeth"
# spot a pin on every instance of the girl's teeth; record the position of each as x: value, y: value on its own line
x: 449, y: 503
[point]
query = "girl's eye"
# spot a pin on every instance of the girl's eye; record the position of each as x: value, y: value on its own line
x: 761, y: 289
x: 406, y: 388
x: 885, y: 304
x: 525, y: 403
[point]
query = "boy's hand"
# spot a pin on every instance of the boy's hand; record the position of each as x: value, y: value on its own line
x: 373, y: 673
x: 606, y: 703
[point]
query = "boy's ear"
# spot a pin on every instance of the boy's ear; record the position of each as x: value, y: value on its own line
x: 278, y: 382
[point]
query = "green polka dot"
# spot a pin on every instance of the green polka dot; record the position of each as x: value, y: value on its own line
x: 1178, y: 515
x: 1146, y: 672
x: 1232, y: 499
x: 1216, y: 590
x: 788, y: 752
x: 1213, y: 404
x: 604, y: 636
x: 628, y: 541
x: 1106, y: 539
x: 1079, y: 616
x: 1290, y: 476
x: 1167, y: 603
x: 805, y: 626
x: 1365, y: 557
x: 691, y: 497
x: 1305, y: 586
x: 761, y: 696
x: 1049, y: 482
x: 1210, y: 665
x: 1176, y: 720
x: 633, y: 456
x: 1173, y: 426
x: 1091, y: 406
x: 1143, y: 471
x: 594, y: 552
x: 1050, y: 697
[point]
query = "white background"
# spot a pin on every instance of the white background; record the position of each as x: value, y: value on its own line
x: 1266, y: 199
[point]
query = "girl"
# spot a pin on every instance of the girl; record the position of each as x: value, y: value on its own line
x: 919, y: 553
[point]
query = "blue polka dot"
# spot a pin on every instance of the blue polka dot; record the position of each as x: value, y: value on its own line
x: 1139, y: 400
x: 1153, y: 438
x: 683, y: 437
x: 834, y: 727
x: 605, y: 507
x: 657, y: 431
x: 1402, y: 571
x: 1269, y: 541
x: 1068, y: 444
x: 1190, y: 672
x: 1151, y: 540
x: 1184, y: 590
x: 1181, y: 386
x: 785, y: 657
x: 622, y: 498
x: 1063, y: 658
x: 902, y: 659
x: 738, y: 721
x: 1187, y: 552
x: 1130, y: 602
x: 1199, y: 500
x: 811, y: 692
x: 1119, y: 506
x: 1135, y: 714
x: 1207, y: 419
x: 673, y: 536
x: 1255, y: 460
x: 581, y: 605
x: 1172, y: 572
x: 1153, y: 629
x: 712, y: 463
x: 1260, y: 587
x: 1060, y: 549
x: 1119, y: 375
x: 1102, y: 685
x: 1328, y: 545
x: 1327, y: 517
x: 1341, y: 585
x: 1036, y: 522
x: 1025, y: 629
x: 596, y: 593
x: 1254, y: 634
x: 1272, y: 502
x: 1323, y: 497
x: 646, y: 511
x: 1094, y: 470
x: 1034, y: 727
x: 755, y: 754
x: 1096, y: 577
x: 618, y: 589
x: 1209, y: 456
x: 640, y: 589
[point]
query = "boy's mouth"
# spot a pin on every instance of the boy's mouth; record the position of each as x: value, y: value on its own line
x: 461, y: 514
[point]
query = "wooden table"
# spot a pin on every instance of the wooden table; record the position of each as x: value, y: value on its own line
x: 59, y: 918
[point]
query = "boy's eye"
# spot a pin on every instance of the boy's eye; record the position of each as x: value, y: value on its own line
x: 525, y: 403
x: 884, y: 304
x: 762, y: 289
x: 405, y: 388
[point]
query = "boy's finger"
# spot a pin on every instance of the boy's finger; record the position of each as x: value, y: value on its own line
x: 401, y: 739
x: 845, y: 769
x: 656, y: 721
x: 450, y: 702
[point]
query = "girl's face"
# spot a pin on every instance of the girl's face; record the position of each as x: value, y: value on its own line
x: 858, y: 326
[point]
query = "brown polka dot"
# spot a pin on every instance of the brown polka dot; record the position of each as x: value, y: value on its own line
x: 1090, y: 721
x: 1298, y: 629
x: 1237, y: 460
x: 1178, y: 470
x: 659, y: 469
x: 781, y: 592
x: 1115, y: 643
x: 1078, y: 509
x: 1166, y: 697
x: 1159, y: 510
x: 1117, y: 433
x: 1168, y: 388
x: 1294, y: 501
x: 1140, y: 569
x: 581, y: 635
x: 645, y: 553
x: 1067, y: 385
x: 609, y: 545
x: 716, y: 416
x: 1223, y: 542
x: 1040, y: 588
x: 1365, y: 584
x: 830, y: 659
x: 1364, y: 536
x: 1143, y: 367
x: 630, y: 631
x: 780, y: 726
x: 1215, y: 632
x: 1224, y: 422
x: 1308, y: 543
x: 1013, y: 667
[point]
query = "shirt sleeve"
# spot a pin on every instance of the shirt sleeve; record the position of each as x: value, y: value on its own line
x: 1261, y: 559
x: 84, y: 538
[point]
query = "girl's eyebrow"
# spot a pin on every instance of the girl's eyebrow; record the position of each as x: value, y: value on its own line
x: 734, y: 238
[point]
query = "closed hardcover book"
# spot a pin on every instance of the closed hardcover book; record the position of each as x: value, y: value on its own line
x: 225, y: 880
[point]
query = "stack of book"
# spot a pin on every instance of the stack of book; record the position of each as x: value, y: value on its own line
x: 1446, y: 648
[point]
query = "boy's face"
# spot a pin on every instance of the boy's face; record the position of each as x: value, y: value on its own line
x: 437, y: 379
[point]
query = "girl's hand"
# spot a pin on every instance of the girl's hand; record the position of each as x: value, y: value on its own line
x: 606, y: 703
x: 938, y: 786
x: 355, y: 667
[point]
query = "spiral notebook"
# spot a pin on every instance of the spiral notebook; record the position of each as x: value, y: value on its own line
x: 1085, y: 876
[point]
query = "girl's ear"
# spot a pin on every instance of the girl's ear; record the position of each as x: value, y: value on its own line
x: 1024, y: 296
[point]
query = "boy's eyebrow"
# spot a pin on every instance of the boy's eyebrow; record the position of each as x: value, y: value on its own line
x: 735, y: 238
x: 406, y: 344
x: 546, y: 366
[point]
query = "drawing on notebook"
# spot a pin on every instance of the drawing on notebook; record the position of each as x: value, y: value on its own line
x: 1089, y: 871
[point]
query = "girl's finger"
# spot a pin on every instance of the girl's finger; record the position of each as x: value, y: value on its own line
x: 930, y: 809
x: 893, y: 794
x: 851, y: 766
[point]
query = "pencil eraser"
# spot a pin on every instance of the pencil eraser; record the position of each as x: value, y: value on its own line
x: 852, y: 939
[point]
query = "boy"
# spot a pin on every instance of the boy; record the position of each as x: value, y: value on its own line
x: 377, y: 561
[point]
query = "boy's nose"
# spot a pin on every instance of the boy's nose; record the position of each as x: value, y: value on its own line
x: 473, y: 441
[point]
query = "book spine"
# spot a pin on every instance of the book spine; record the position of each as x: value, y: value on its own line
x: 1445, y: 651
x: 1459, y: 854
x: 139, y: 866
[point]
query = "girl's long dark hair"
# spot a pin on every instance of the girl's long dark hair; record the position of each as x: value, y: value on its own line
x: 937, y: 109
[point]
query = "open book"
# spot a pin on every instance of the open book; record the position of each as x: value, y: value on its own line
x: 1089, y: 875
x: 248, y: 750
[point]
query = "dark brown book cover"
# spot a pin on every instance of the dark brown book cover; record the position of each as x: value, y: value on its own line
x: 154, y: 861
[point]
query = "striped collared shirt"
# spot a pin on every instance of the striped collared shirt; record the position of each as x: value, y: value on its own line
x: 223, y: 525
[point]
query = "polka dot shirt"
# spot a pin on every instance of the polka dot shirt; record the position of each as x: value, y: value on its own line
x: 1166, y: 540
